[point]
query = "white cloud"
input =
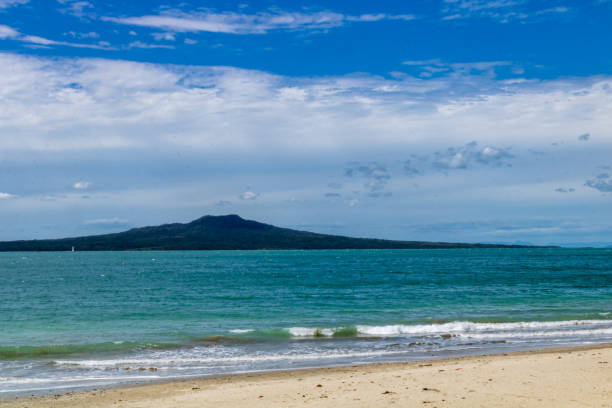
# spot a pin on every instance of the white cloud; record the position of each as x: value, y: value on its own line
x: 81, y: 185
x: 140, y: 44
x: 423, y: 62
x: 248, y: 195
x: 84, y: 104
x: 380, y: 16
x: 11, y: 3
x: 6, y: 196
x: 235, y: 23
x: 91, y: 34
x: 106, y: 221
x: 435, y: 67
x: 471, y: 154
x: 452, y: 17
x: 78, y: 9
x: 535, y: 230
x: 33, y: 39
x: 368, y: 17
x: 8, y: 32
x: 502, y: 11
x: 476, y: 5
x: 553, y: 10
x: 232, y: 23
x: 164, y: 36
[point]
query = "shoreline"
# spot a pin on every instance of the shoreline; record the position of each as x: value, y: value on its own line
x: 563, y: 369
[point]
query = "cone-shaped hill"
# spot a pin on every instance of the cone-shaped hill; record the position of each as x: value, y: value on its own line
x: 220, y: 233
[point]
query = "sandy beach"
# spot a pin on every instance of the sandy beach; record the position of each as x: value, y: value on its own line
x: 568, y: 377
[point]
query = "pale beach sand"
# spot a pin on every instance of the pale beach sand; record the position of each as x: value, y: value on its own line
x: 569, y: 377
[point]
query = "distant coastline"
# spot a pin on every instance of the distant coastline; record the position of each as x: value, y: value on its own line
x: 227, y: 232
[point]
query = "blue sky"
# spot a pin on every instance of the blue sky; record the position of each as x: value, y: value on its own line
x: 455, y: 120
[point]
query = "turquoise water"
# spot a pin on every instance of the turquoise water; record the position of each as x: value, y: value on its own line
x: 90, y: 319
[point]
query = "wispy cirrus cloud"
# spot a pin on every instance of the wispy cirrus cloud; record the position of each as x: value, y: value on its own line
x: 34, y: 39
x: 74, y: 34
x: 9, y: 33
x: 435, y: 67
x: 144, y: 45
x: 10, y: 3
x: 114, y: 221
x: 259, y: 23
x: 502, y: 11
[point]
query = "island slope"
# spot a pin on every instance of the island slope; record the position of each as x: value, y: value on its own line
x: 222, y: 233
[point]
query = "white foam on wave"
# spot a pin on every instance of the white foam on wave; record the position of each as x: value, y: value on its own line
x: 234, y: 359
x: 575, y: 330
x: 241, y: 331
x: 542, y: 334
x: 466, y: 327
x: 24, y: 380
x: 461, y: 328
x: 47, y: 388
x: 311, y: 331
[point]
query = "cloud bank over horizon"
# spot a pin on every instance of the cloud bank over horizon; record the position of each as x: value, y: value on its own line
x: 55, y: 99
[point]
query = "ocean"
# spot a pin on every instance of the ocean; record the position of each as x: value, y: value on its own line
x: 71, y: 321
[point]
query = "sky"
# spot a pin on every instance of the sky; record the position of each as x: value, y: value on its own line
x: 440, y: 120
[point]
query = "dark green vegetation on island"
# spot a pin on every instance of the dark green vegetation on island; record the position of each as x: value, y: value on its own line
x: 221, y: 233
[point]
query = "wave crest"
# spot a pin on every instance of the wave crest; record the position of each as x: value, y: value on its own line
x: 466, y: 329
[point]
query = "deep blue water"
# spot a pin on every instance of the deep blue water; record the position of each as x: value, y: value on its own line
x: 90, y: 319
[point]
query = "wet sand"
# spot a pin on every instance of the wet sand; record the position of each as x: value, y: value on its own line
x: 568, y: 377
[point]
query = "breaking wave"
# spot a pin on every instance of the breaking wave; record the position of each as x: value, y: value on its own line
x: 463, y: 329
